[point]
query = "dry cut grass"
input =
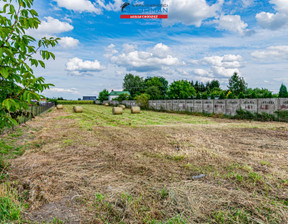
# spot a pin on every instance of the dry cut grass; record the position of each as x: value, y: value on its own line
x: 98, y: 168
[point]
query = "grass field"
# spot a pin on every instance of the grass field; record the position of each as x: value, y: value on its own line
x: 96, y: 167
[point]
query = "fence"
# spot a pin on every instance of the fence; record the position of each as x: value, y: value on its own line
x: 228, y: 106
x: 35, y: 110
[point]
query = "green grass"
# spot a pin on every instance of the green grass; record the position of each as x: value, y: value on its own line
x: 10, y: 207
x: 102, y: 116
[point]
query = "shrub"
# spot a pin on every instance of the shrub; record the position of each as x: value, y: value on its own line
x: 143, y: 100
x: 282, y: 115
x: 222, y: 96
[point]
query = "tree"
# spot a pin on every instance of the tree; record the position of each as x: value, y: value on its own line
x: 18, y: 55
x: 237, y: 84
x: 143, y: 100
x: 160, y: 82
x: 181, y: 90
x: 214, y: 84
x: 283, y: 91
x: 122, y: 97
x: 204, y: 96
x: 254, y: 95
x: 212, y: 96
x: 133, y: 84
x: 103, y: 95
x: 241, y: 95
x: 230, y: 95
x: 153, y: 92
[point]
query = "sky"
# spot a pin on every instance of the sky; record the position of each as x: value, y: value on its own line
x: 201, y: 40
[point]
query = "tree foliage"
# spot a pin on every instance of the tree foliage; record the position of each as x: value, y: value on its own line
x: 122, y: 97
x: 143, y: 100
x: 103, y: 95
x: 237, y: 84
x: 181, y: 90
x: 283, y: 93
x: 160, y: 82
x: 18, y: 51
x: 154, y: 92
x: 133, y: 84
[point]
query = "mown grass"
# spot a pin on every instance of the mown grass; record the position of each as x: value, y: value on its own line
x: 102, y: 116
x: 147, y: 164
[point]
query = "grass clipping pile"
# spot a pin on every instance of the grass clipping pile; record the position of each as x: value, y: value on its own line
x: 128, y: 175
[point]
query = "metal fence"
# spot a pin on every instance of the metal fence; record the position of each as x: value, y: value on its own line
x: 35, y: 110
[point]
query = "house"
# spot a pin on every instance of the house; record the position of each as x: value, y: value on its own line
x: 115, y: 94
x: 89, y: 98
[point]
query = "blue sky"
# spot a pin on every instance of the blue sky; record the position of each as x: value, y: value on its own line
x: 201, y: 40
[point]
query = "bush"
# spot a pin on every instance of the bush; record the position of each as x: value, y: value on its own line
x: 75, y: 102
x: 246, y: 115
x: 143, y: 100
x: 282, y: 115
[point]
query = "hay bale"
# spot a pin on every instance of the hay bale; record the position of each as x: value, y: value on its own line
x: 77, y: 109
x: 122, y: 106
x: 59, y: 107
x: 106, y: 104
x: 135, y: 110
x: 117, y: 110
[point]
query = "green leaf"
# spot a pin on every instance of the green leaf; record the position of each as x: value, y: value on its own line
x: 4, y: 72
x: 41, y: 63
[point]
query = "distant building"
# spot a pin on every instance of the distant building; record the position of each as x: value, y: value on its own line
x: 115, y: 94
x: 89, y: 98
x: 42, y: 101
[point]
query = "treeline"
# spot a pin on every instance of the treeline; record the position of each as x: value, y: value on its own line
x: 157, y: 88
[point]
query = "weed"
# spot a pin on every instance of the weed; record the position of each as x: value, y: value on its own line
x: 175, y: 158
x: 239, y: 178
x: 56, y: 221
x: 67, y: 142
x: 265, y: 163
x: 179, y: 219
x: 99, y: 198
x: 232, y: 216
x: 255, y: 177
x: 164, y: 193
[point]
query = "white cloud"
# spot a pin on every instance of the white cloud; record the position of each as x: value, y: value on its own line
x: 247, y: 3
x: 203, y: 72
x: 68, y: 42
x: 232, y: 23
x: 280, y: 5
x: 79, y: 5
x: 274, y: 21
x: 78, y: 67
x: 272, y: 53
x: 110, y: 51
x: 116, y: 6
x: 63, y: 90
x: 224, y: 66
x: 49, y: 27
x: 128, y: 48
x: 190, y: 12
x: 153, y: 59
